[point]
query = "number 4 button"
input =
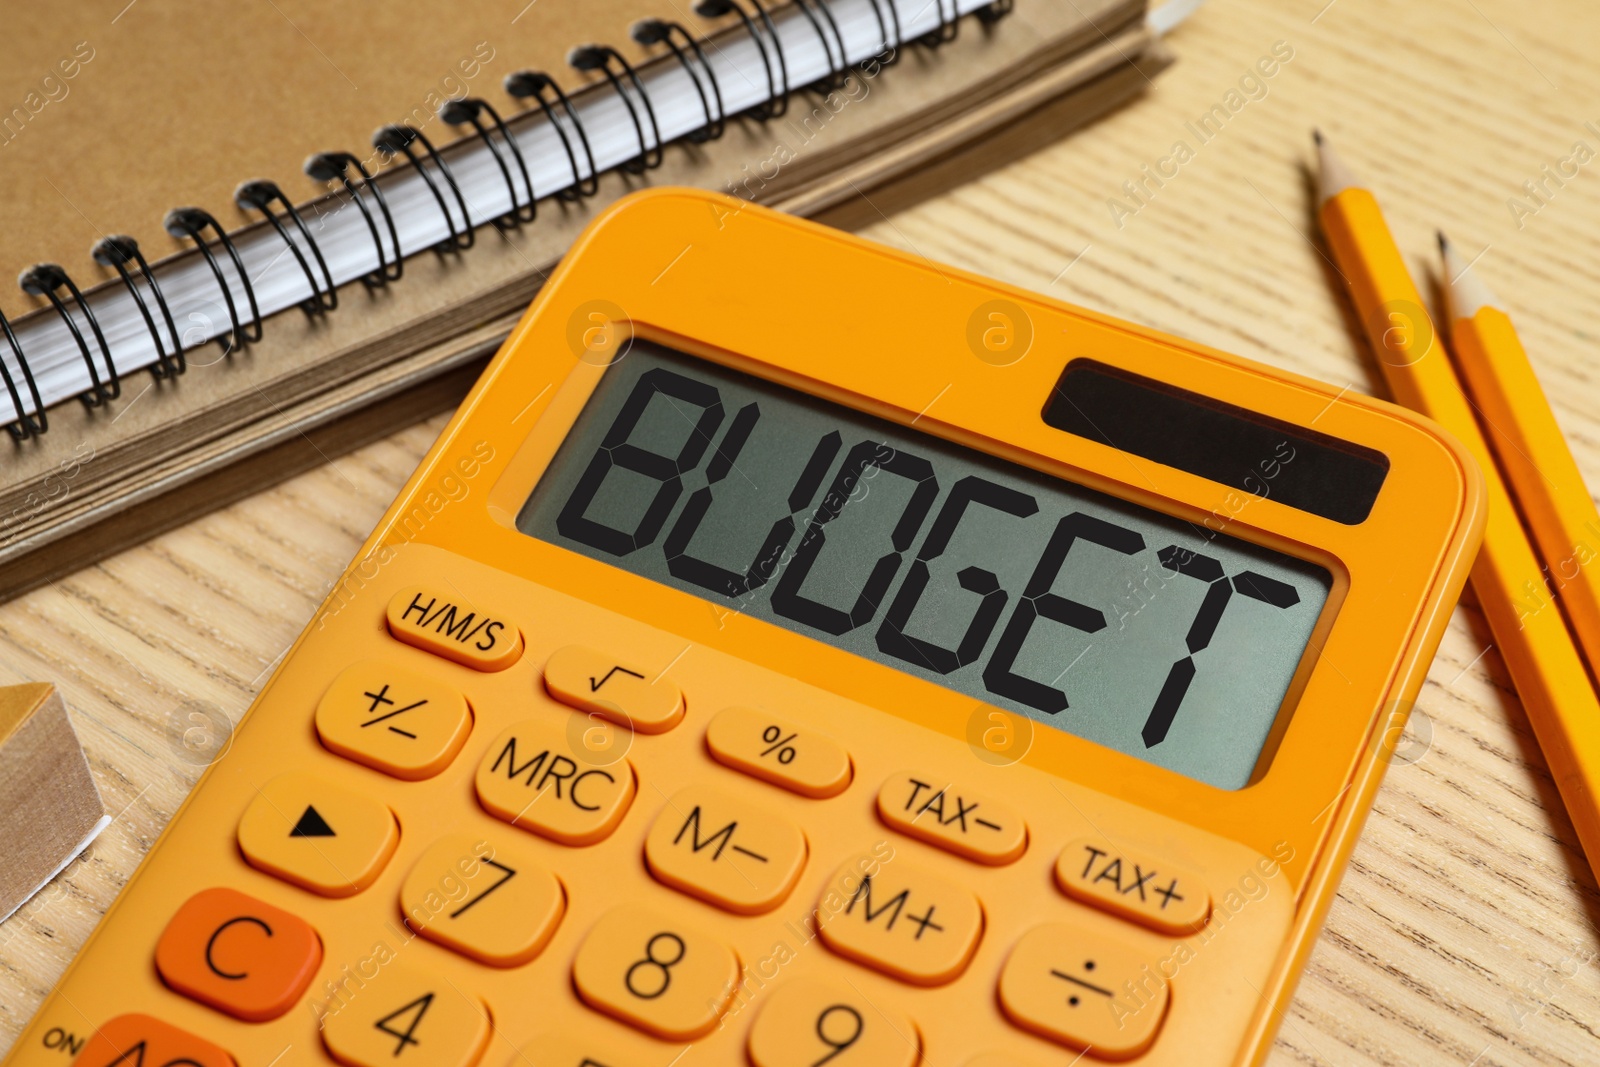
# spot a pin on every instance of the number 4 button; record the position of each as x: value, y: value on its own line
x: 409, y: 1018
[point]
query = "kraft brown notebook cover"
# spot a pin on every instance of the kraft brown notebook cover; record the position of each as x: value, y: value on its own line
x: 113, y: 115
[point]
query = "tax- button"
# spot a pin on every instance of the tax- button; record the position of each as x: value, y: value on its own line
x: 624, y: 692
x: 238, y: 954
x: 557, y: 782
x: 408, y: 1017
x: 393, y: 720
x: 1133, y: 885
x: 899, y: 918
x: 468, y: 631
x: 778, y: 751
x: 808, y: 1022
x: 1084, y: 990
x: 488, y: 899
x: 318, y: 835
x: 654, y: 972
x: 945, y: 813
x: 720, y: 848
x: 135, y: 1039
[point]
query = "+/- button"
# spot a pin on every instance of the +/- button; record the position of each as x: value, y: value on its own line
x: 901, y: 919
x: 537, y: 777
x: 238, y: 954
x: 808, y: 1022
x: 720, y: 848
x: 1133, y: 886
x: 1084, y: 990
x: 491, y: 900
x: 320, y: 836
x: 139, y: 1039
x: 778, y: 751
x: 623, y: 692
x: 410, y: 1018
x: 469, y: 632
x: 934, y: 809
x: 393, y: 720
x: 656, y: 973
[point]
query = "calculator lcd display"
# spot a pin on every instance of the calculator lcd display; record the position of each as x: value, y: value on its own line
x: 1161, y: 638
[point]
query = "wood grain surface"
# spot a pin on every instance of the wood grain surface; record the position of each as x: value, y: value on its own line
x: 1465, y: 930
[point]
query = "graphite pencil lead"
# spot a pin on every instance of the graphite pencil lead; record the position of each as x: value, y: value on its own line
x: 1465, y: 291
x: 1333, y: 177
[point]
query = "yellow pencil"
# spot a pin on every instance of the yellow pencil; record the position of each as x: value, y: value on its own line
x: 1537, y: 647
x: 1533, y: 455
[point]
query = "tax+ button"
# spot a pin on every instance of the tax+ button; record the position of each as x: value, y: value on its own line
x: 1133, y: 885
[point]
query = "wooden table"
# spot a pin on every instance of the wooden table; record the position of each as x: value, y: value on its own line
x: 1465, y: 931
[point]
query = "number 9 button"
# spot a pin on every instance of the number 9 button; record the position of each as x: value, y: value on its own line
x: 808, y: 1022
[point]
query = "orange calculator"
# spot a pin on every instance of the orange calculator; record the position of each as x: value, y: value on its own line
x: 795, y: 653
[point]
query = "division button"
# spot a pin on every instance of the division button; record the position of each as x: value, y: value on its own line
x: 469, y: 632
x: 778, y: 751
x: 808, y: 1022
x: 393, y: 720
x: 409, y: 1018
x: 1133, y: 885
x: 948, y: 814
x: 134, y: 1039
x: 538, y: 776
x: 317, y: 835
x: 488, y: 898
x: 656, y: 973
x: 238, y: 954
x: 1084, y: 990
x: 719, y: 847
x: 901, y: 919
x: 622, y: 691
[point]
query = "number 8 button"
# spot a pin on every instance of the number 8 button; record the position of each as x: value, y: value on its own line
x: 650, y: 970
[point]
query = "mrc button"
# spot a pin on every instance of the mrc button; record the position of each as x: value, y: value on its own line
x: 948, y: 814
x: 1133, y: 885
x: 467, y: 631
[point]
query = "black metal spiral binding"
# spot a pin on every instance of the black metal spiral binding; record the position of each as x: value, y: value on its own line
x: 24, y: 425
x: 836, y: 76
x: 335, y: 166
x: 191, y: 222
x: 471, y: 110
x: 993, y: 11
x: 588, y: 57
x: 660, y: 31
x: 771, y: 107
x: 884, y: 57
x: 117, y: 252
x: 260, y: 195
x: 531, y: 84
x: 397, y: 140
x: 949, y: 28
x: 43, y: 279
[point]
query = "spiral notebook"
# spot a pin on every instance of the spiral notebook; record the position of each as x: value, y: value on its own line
x: 160, y: 363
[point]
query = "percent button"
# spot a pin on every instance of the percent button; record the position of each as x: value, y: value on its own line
x: 779, y: 751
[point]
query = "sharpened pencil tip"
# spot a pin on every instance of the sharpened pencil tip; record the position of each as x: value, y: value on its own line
x: 1444, y: 242
x: 1316, y: 136
x: 1333, y: 177
x: 1465, y: 292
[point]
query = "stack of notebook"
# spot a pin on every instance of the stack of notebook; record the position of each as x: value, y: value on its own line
x: 161, y: 364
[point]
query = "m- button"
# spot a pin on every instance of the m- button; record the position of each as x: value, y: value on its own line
x: 1133, y: 885
x: 718, y: 847
x: 948, y: 814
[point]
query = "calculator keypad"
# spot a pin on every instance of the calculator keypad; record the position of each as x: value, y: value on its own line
x: 487, y: 898
x: 469, y: 632
x: 409, y: 1017
x: 320, y: 836
x: 238, y: 954
x: 544, y: 776
x: 393, y: 720
x: 1084, y: 989
x: 807, y: 1021
x: 133, y: 1039
x: 664, y: 976
x: 1133, y: 885
x: 952, y: 816
x: 900, y: 918
x: 621, y: 691
x: 719, y: 847
x: 779, y: 751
